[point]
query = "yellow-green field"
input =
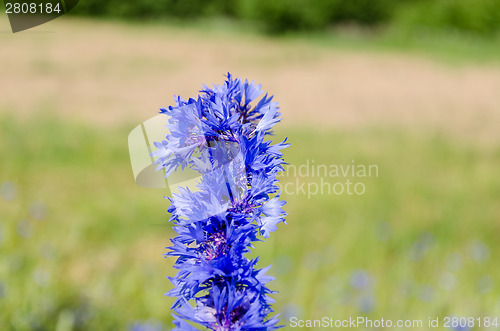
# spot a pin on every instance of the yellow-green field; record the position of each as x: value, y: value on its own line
x: 81, y: 244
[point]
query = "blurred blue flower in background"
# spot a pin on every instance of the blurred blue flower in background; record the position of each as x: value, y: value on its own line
x: 454, y: 261
x: 459, y: 327
x: 360, y: 279
x: 312, y: 261
x: 2, y: 290
x: 383, y: 231
x: 447, y: 281
x: 426, y: 293
x: 291, y: 310
x: 38, y: 210
x: 408, y: 288
x: 47, y: 251
x: 24, y: 228
x: 485, y: 284
x: 366, y: 303
x: 41, y: 276
x: 8, y: 191
x: 479, y: 251
x: 146, y: 326
x: 284, y: 264
x: 423, y: 244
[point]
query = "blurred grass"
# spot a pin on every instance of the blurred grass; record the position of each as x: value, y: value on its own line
x: 101, y: 241
x: 450, y: 47
x: 81, y: 244
x: 434, y: 200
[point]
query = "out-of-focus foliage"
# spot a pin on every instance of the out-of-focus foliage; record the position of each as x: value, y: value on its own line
x: 151, y: 9
x: 480, y: 17
x: 283, y: 15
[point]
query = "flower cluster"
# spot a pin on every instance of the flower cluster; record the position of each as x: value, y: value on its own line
x: 222, y: 136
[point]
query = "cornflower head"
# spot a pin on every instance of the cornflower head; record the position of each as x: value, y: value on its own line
x: 222, y: 136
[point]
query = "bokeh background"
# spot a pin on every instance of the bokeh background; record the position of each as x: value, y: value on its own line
x: 410, y: 86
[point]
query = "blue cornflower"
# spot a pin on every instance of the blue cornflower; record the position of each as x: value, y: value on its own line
x: 222, y: 135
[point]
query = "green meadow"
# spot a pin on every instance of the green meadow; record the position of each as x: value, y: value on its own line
x: 413, y: 237
x: 81, y: 244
